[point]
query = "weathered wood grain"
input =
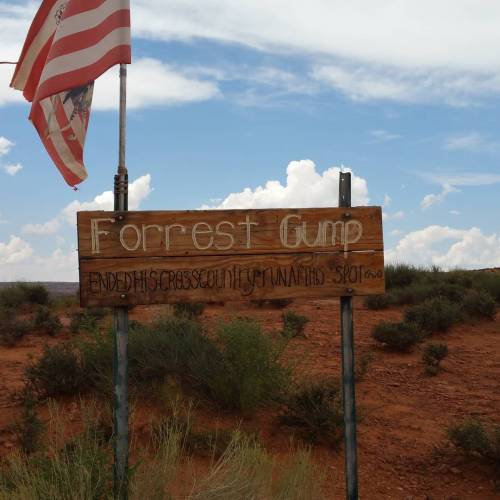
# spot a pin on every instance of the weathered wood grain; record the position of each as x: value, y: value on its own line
x: 228, y: 232
x: 157, y: 280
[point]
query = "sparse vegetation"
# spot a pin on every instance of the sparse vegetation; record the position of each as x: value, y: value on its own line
x: 479, y: 304
x: 12, y: 328
x: 400, y: 337
x: 46, y: 321
x: 294, y: 324
x: 190, y: 310
x: 58, y: 372
x: 82, y: 468
x: 315, y: 409
x: 479, y: 440
x: 19, y: 294
x: 432, y: 356
x: 87, y: 320
x: 434, y: 315
x: 378, y: 301
x: 29, y: 428
x: 249, y: 372
x: 240, y: 370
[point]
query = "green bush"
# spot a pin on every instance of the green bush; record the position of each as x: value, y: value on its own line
x: 18, y: 294
x: 432, y: 356
x: 46, y: 321
x: 76, y: 469
x: 475, y: 438
x: 12, y: 329
x: 30, y: 428
x: 376, y: 302
x: 189, y: 310
x: 316, y: 411
x: 434, y: 315
x: 249, y: 372
x: 294, y: 324
x: 87, y: 320
x: 479, y: 304
x: 58, y: 372
x: 400, y: 275
x: 400, y: 337
x: 488, y: 282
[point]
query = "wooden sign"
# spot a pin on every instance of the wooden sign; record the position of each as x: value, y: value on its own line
x: 130, y: 258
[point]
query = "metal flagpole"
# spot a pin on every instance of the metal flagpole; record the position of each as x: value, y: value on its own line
x: 120, y: 322
x: 348, y: 391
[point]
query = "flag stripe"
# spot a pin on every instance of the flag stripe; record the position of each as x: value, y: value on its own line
x: 33, y: 79
x: 80, y: 76
x: 37, y: 38
x: 70, y: 43
x: 86, y: 39
x: 70, y: 163
x: 83, y: 58
x: 86, y: 20
x: 78, y: 6
x: 52, y: 147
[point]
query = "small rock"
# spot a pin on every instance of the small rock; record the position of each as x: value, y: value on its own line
x: 8, y: 444
x: 455, y: 470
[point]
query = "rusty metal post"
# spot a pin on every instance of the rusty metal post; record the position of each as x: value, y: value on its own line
x: 120, y: 325
x: 348, y: 378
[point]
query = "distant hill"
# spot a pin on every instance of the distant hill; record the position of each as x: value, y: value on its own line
x: 54, y: 287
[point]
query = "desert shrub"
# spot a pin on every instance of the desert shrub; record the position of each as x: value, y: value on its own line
x: 294, y: 324
x: 77, y: 469
x: 189, y: 310
x: 479, y: 304
x: 432, y: 356
x: 87, y: 320
x: 375, y: 302
x: 58, y: 372
x: 46, y: 321
x: 488, y: 282
x: 249, y: 372
x: 400, y: 275
x: 12, y: 328
x: 397, y: 336
x: 29, y: 428
x: 18, y: 294
x: 274, y: 303
x: 434, y: 315
x: 316, y: 411
x: 474, y: 438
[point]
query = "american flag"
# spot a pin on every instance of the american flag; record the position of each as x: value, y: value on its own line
x: 70, y: 43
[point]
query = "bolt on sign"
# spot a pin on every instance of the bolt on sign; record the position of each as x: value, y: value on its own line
x: 156, y: 257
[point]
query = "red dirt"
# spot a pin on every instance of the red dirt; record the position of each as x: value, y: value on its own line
x: 403, y: 453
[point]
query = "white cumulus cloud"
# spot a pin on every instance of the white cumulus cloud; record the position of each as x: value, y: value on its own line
x: 433, y: 199
x: 304, y: 187
x: 151, y: 82
x: 138, y: 191
x: 5, y: 145
x: 448, y: 248
x: 12, y: 168
x: 14, y: 251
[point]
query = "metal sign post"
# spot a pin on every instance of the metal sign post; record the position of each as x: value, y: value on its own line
x: 120, y: 323
x: 348, y: 390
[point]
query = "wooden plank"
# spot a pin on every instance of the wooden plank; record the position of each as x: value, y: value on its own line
x: 228, y: 232
x: 158, y: 280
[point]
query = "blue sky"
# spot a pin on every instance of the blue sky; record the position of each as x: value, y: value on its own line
x: 228, y: 96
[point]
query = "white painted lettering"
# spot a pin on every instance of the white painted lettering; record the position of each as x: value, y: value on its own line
x: 122, y: 237
x: 197, y: 231
x: 229, y: 236
x: 95, y: 232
